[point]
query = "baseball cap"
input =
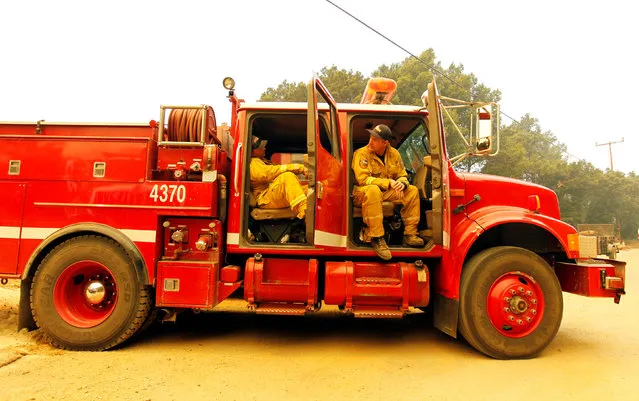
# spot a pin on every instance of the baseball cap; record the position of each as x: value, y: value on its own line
x: 258, y: 143
x: 381, y: 131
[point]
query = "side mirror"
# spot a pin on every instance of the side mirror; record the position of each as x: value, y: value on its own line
x: 484, y: 126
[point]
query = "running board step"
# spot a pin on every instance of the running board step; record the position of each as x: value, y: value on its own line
x: 281, y: 309
x: 381, y: 313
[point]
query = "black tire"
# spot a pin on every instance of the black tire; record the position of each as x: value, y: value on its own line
x: 61, y: 308
x: 508, y: 269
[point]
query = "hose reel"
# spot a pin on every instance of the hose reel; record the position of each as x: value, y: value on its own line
x: 185, y: 125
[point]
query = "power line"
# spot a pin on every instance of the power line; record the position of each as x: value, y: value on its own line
x: 431, y: 67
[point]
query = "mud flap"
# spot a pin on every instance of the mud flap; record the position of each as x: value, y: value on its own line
x: 25, y: 318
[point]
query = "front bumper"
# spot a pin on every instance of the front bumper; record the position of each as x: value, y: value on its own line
x: 603, y: 278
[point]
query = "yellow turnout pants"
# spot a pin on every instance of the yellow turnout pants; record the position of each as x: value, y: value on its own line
x: 285, y: 191
x: 370, y: 198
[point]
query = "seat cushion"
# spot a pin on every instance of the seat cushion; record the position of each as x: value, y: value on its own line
x: 272, y: 214
x: 388, y: 209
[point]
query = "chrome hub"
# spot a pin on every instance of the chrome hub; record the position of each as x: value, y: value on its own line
x: 95, y: 292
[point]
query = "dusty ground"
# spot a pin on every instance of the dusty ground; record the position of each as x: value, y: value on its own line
x: 238, y: 356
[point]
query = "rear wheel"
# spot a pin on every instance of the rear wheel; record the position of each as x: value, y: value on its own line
x: 85, y: 295
x: 511, y: 303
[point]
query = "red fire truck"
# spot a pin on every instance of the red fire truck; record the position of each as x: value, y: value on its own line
x: 107, y: 224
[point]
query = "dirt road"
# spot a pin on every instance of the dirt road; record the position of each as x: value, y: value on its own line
x: 239, y: 356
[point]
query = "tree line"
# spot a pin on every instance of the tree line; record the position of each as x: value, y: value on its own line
x: 587, y: 195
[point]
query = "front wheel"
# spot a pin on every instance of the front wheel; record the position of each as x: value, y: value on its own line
x: 86, y: 296
x: 511, y: 303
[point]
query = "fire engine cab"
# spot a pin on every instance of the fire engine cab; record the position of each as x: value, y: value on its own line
x: 107, y: 224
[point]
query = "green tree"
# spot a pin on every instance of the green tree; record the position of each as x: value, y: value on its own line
x: 528, y: 153
x: 285, y: 92
x: 345, y: 85
x: 586, y: 194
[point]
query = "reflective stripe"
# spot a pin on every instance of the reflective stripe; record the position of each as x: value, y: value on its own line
x: 9, y: 232
x: 139, y: 235
x: 378, y: 216
x: 410, y: 218
x: 44, y: 232
x: 282, y: 168
x: 298, y: 200
x: 330, y: 239
x: 37, y: 232
x: 370, y: 180
x: 233, y: 238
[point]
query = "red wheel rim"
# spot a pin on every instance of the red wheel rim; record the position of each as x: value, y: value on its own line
x: 515, y: 304
x: 85, y: 294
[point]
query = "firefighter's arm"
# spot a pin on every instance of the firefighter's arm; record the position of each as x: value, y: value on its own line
x: 262, y: 172
x: 363, y: 173
x: 295, y: 168
x: 400, y: 173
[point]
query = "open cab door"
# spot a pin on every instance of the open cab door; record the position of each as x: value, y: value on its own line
x: 326, y: 168
x: 441, y: 201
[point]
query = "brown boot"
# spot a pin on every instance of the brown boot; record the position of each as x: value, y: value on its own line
x: 381, y: 249
x: 413, y: 240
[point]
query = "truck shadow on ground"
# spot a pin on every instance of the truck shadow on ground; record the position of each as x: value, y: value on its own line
x: 299, y: 330
x: 325, y: 327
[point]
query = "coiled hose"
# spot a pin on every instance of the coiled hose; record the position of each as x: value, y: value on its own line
x: 185, y: 125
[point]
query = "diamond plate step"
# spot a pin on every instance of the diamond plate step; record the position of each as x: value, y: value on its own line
x: 281, y: 309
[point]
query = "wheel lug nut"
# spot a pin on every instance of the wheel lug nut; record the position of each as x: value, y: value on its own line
x: 506, y: 299
x: 533, y: 301
x: 521, y: 289
x: 528, y: 319
x: 520, y: 322
x: 511, y: 318
x: 533, y: 311
x: 512, y: 292
x: 529, y: 293
x: 506, y: 310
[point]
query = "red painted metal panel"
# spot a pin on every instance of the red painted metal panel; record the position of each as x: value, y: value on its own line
x: 330, y: 211
x: 230, y: 274
x: 186, y: 284
x: 373, y: 284
x: 105, y: 130
x: 495, y: 190
x: 236, y: 177
x: 13, y: 195
x: 280, y: 280
x: 125, y: 158
x: 224, y: 290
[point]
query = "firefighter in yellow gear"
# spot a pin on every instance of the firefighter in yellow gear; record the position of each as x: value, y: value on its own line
x: 276, y: 186
x: 380, y: 176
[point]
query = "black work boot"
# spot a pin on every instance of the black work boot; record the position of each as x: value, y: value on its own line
x: 413, y: 240
x: 381, y: 249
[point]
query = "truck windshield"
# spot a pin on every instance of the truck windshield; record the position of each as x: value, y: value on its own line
x: 414, y: 148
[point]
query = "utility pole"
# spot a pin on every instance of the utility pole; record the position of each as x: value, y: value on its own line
x: 609, y: 149
x: 617, y: 224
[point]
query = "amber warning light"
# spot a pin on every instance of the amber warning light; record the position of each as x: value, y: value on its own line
x: 379, y: 91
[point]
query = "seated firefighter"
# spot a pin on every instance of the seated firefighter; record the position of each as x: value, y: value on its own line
x: 380, y: 176
x: 276, y: 186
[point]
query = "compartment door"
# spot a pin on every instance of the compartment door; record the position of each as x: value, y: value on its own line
x: 13, y: 195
